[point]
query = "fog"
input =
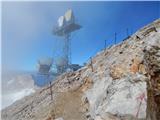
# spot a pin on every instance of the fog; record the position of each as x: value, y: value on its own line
x: 27, y: 33
x: 16, y: 85
x: 26, y: 37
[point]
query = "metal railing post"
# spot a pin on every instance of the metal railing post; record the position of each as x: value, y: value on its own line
x: 105, y: 44
x: 127, y: 32
x: 50, y: 85
x: 115, y: 38
x: 91, y: 64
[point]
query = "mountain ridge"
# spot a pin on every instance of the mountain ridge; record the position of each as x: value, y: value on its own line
x: 114, y: 85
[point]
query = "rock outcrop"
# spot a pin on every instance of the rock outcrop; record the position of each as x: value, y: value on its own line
x: 119, y: 83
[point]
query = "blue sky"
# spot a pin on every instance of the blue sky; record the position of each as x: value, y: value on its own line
x: 27, y: 28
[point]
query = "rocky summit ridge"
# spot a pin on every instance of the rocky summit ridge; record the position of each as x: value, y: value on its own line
x: 121, y: 82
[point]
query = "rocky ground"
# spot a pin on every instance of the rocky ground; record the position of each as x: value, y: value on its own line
x: 121, y: 82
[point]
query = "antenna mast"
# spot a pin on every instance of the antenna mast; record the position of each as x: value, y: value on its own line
x: 66, y: 25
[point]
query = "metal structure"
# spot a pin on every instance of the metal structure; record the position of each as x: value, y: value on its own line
x: 66, y: 25
x: 44, y: 66
x: 43, y: 76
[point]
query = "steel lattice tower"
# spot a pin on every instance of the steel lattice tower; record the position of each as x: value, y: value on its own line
x: 66, y: 25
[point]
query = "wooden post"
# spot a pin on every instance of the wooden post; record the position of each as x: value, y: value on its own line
x: 51, y: 90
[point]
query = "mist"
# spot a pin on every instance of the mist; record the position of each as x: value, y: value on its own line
x: 27, y: 35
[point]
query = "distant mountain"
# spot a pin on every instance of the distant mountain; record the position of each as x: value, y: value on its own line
x: 16, y: 85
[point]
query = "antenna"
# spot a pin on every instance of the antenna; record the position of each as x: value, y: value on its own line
x: 44, y: 66
x: 66, y: 25
x: 43, y: 76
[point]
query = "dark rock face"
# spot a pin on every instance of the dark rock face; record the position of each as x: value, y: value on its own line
x: 153, y: 86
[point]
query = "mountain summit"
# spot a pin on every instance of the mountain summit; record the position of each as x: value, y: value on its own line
x: 121, y: 82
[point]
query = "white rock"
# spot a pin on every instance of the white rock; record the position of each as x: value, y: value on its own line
x: 60, y: 118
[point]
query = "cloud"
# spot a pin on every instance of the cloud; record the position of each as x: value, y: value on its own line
x: 21, y: 27
x: 25, y: 29
x: 8, y: 99
x: 15, y: 87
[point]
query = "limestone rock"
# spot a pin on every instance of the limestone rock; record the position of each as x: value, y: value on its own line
x: 117, y: 72
x: 59, y: 118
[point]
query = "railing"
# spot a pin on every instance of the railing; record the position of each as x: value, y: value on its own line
x: 114, y: 39
x: 118, y: 37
